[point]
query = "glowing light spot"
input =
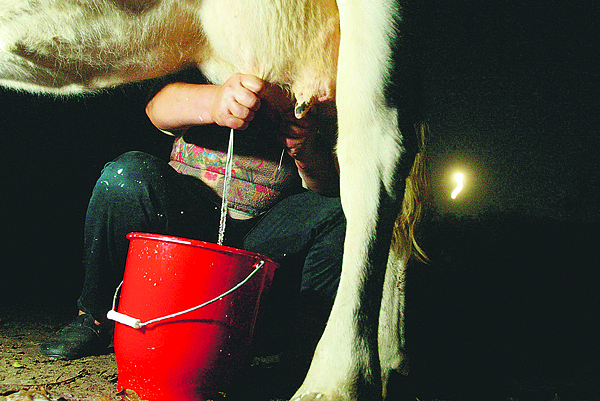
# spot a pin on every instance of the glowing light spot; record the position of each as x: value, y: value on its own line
x: 459, y: 178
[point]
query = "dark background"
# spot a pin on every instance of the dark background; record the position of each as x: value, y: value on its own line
x: 507, y: 306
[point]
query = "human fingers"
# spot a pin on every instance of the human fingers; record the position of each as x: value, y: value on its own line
x: 293, y: 130
x: 240, y: 123
x: 250, y: 90
x: 234, y: 104
x: 234, y: 90
x: 252, y: 83
x: 295, y: 139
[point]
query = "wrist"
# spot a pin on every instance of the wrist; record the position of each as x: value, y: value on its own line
x: 181, y: 105
x: 319, y: 174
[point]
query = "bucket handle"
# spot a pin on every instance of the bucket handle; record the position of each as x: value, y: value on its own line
x: 138, y: 324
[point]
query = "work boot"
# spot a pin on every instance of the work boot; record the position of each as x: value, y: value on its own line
x: 82, y: 337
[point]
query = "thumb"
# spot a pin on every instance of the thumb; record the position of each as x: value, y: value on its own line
x: 254, y: 84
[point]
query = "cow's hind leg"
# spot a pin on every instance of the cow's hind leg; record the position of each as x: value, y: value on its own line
x: 392, y: 356
x: 346, y: 362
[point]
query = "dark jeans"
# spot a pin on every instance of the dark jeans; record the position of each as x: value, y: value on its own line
x: 139, y: 192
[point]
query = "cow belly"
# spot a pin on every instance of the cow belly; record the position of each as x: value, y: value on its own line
x: 293, y: 43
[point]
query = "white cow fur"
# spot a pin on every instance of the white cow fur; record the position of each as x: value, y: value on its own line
x: 74, y: 46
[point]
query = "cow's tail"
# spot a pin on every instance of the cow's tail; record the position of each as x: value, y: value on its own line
x: 404, y: 242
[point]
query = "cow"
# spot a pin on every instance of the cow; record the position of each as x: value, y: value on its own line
x: 319, y: 50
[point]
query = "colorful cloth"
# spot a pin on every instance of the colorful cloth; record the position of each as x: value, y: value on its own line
x: 262, y: 173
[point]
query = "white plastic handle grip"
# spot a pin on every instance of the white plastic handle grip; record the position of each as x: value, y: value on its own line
x: 124, y: 319
x: 138, y: 324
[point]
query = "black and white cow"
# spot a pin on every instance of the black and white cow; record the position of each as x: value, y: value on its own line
x: 321, y: 50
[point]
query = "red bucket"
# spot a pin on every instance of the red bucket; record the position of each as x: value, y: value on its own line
x: 190, y: 356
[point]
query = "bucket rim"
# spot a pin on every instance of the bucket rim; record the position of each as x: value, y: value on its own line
x: 199, y: 244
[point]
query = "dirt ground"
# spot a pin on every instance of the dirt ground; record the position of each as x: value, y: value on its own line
x: 26, y: 375
x: 24, y: 368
